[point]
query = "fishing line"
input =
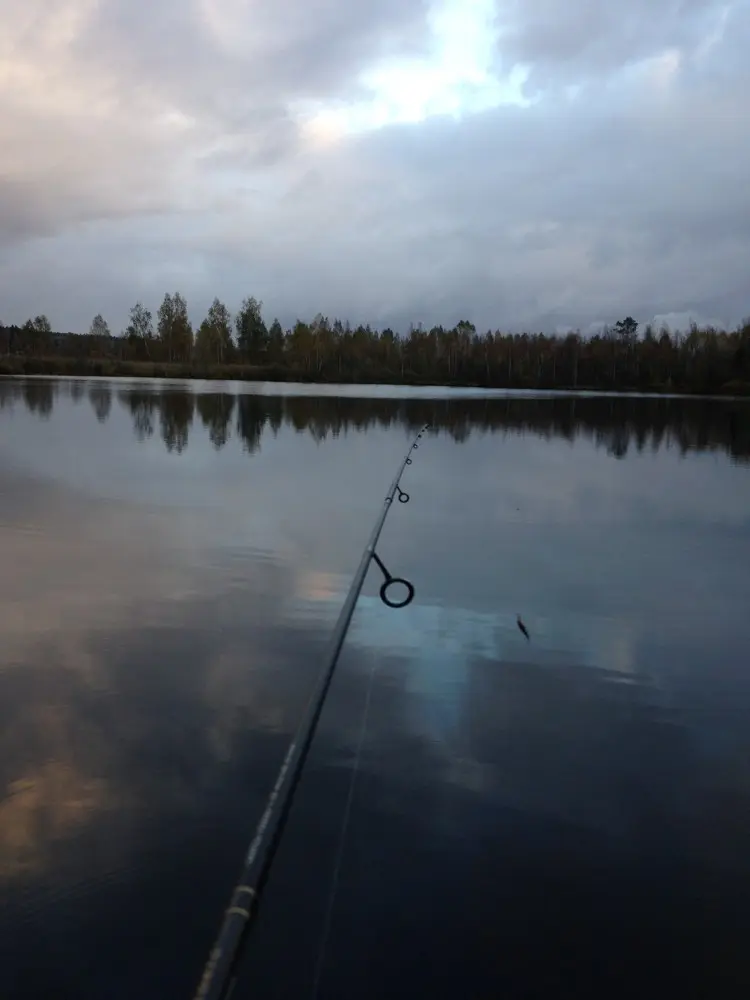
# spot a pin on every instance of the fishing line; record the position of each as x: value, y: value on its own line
x: 342, y: 835
x: 219, y: 973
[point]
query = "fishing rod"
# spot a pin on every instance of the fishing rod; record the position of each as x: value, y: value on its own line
x: 219, y: 974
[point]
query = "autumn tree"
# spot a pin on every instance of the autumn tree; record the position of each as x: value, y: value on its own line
x: 702, y: 359
x: 37, y: 333
x: 626, y: 330
x: 213, y: 342
x: 252, y: 335
x: 174, y: 329
x: 99, y: 326
x: 99, y: 333
x: 140, y: 329
x: 41, y: 324
x: 275, y: 341
x: 302, y: 342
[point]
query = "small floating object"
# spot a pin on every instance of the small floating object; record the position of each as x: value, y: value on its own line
x: 523, y: 627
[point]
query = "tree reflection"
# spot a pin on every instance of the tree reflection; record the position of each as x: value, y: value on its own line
x: 252, y: 415
x: 615, y: 423
x: 100, y: 396
x: 142, y: 406
x: 40, y: 396
x: 275, y: 410
x: 10, y: 391
x: 77, y: 390
x: 215, y: 411
x: 176, y: 410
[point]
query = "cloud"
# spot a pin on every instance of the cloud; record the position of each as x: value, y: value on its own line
x: 592, y: 38
x: 515, y: 164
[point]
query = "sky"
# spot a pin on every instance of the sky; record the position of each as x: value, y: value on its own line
x: 523, y: 164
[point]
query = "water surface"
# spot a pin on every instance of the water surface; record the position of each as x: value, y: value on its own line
x: 528, y: 819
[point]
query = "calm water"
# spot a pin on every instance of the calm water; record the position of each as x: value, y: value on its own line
x: 539, y: 819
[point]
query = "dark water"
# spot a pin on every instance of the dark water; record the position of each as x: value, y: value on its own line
x: 543, y: 819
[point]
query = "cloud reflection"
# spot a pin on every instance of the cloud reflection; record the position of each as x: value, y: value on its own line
x: 131, y: 670
x: 158, y: 652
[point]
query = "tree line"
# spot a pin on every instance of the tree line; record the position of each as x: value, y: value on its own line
x: 617, y: 424
x: 621, y: 356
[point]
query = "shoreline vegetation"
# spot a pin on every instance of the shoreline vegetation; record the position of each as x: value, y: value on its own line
x: 64, y: 367
x: 620, y: 358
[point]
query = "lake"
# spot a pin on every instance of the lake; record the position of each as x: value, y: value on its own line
x: 481, y: 815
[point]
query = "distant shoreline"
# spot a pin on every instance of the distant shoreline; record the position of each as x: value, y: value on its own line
x: 113, y: 368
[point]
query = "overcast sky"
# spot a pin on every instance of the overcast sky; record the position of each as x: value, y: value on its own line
x: 519, y: 163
